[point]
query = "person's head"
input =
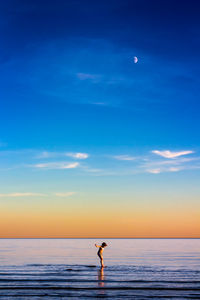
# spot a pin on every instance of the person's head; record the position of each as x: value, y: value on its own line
x: 103, y: 245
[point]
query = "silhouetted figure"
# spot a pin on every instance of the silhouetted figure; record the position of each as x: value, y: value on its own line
x: 100, y: 252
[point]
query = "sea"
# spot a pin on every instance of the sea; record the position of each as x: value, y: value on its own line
x: 69, y: 268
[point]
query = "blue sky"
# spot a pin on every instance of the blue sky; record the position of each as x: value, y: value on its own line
x: 75, y: 107
x: 70, y: 65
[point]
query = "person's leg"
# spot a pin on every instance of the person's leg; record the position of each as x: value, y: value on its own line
x: 102, y: 262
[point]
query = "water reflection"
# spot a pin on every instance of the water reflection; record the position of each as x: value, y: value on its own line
x: 101, y: 277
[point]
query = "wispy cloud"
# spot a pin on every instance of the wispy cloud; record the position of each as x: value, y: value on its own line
x: 172, y: 169
x: 89, y: 169
x: 45, y: 154
x: 87, y: 76
x: 164, y: 170
x: 169, y: 162
x: 100, y: 103
x: 154, y: 162
x: 172, y: 162
x: 170, y: 154
x: 124, y: 157
x: 78, y: 155
x: 28, y: 194
x: 154, y: 171
x: 57, y: 165
x: 51, y: 154
x: 22, y: 195
x: 66, y: 194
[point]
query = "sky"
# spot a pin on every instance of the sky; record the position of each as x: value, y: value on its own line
x: 93, y: 143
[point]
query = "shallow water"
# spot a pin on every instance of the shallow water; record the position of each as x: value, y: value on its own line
x: 69, y: 268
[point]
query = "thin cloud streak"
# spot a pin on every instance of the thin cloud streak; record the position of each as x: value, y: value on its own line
x: 87, y: 76
x: 154, y: 171
x: 78, y: 155
x: 170, y: 154
x: 174, y: 169
x: 22, y: 195
x: 50, y: 154
x: 28, y: 194
x: 46, y: 154
x: 173, y: 162
x: 124, y: 157
x: 158, y: 171
x: 57, y: 165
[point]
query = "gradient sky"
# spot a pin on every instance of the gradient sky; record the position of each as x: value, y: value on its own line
x: 91, y: 143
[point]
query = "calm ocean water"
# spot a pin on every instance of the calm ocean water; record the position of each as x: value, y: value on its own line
x: 69, y: 268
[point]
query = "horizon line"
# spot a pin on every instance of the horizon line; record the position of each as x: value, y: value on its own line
x: 120, y: 238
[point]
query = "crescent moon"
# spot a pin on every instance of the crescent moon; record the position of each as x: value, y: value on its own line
x: 135, y: 59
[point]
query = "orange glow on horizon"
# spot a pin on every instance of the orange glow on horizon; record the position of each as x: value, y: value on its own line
x: 90, y: 222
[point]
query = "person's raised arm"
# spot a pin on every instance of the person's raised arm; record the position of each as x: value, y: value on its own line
x: 97, y: 246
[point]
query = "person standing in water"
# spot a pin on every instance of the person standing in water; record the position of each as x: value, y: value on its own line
x: 100, y: 252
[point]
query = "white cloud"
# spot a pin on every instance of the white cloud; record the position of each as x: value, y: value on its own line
x: 170, y: 154
x: 172, y: 169
x: 22, y: 195
x: 78, y: 155
x: 99, y: 103
x: 88, y: 76
x: 154, y: 171
x: 57, y: 165
x: 124, y: 157
x: 15, y: 195
x: 67, y: 194
x: 45, y: 154
x: 158, y: 171
x: 70, y: 166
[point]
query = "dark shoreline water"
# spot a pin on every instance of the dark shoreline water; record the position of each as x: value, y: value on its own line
x: 69, y: 268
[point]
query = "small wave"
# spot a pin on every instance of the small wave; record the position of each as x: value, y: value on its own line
x: 99, y: 288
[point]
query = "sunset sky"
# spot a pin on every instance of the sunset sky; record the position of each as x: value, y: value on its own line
x: 93, y: 144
